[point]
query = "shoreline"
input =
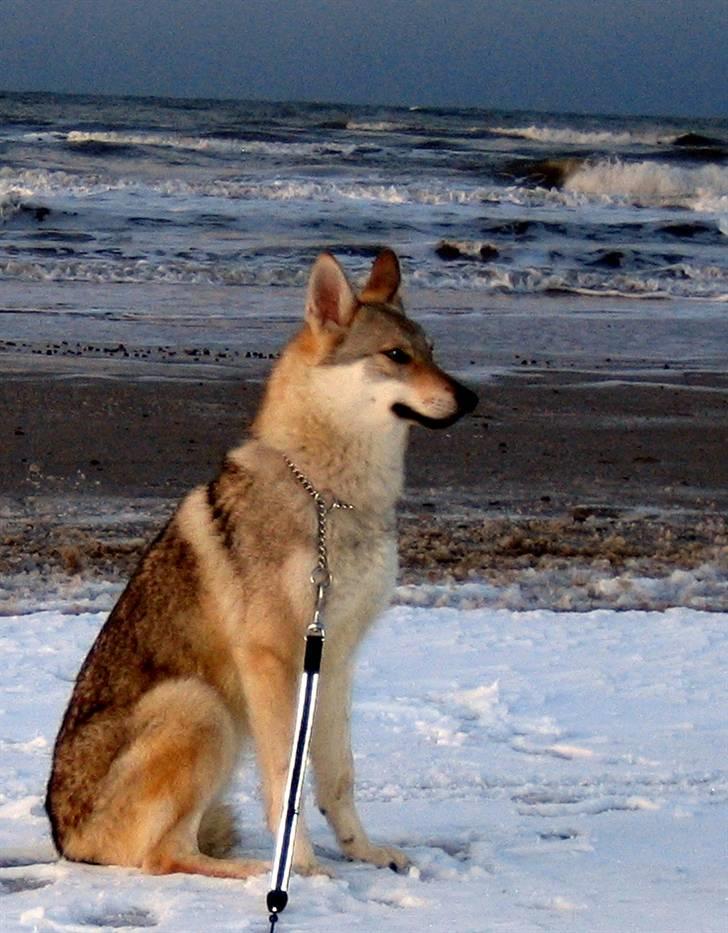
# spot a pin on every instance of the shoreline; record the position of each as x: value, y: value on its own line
x: 597, y: 451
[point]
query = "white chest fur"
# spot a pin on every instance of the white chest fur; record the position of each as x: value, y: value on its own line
x: 362, y: 552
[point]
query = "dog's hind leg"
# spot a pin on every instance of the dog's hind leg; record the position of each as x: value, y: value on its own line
x: 333, y: 766
x: 180, y: 755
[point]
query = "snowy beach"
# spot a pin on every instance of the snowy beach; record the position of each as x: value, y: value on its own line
x: 540, y: 719
x: 544, y: 771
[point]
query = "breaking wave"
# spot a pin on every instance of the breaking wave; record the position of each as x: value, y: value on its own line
x: 32, y: 182
x: 435, y: 194
x: 146, y: 271
x: 572, y: 137
x: 212, y: 145
x: 29, y: 182
x: 683, y: 280
x: 376, y: 126
x: 169, y: 192
x: 10, y: 206
x: 702, y: 188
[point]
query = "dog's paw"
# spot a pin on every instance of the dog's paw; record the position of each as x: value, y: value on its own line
x: 313, y: 867
x: 381, y: 856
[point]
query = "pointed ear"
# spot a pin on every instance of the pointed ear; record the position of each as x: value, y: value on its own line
x: 330, y: 299
x: 384, y: 279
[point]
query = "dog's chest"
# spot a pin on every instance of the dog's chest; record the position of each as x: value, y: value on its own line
x: 362, y: 554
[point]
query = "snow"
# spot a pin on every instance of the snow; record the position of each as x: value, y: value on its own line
x: 581, y: 586
x: 545, y: 770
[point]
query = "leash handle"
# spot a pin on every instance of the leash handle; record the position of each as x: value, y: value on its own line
x: 278, y: 895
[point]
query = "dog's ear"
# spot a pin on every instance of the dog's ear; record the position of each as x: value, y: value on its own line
x: 331, y: 301
x: 384, y: 280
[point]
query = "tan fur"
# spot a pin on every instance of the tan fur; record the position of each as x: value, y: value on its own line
x: 204, y: 648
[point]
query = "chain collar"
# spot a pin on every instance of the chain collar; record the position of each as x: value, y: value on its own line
x: 320, y: 575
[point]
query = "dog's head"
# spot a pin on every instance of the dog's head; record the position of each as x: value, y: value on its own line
x: 371, y: 361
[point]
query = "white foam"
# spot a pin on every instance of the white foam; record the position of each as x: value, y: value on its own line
x: 572, y: 137
x: 32, y: 182
x: 375, y: 126
x: 28, y: 182
x: 10, y: 205
x: 686, y: 281
x: 209, y: 144
x: 703, y: 188
x: 435, y: 194
x: 609, y: 181
x: 145, y: 271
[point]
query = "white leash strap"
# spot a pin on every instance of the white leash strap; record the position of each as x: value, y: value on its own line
x: 278, y: 895
x: 277, y: 898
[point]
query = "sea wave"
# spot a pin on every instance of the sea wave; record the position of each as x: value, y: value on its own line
x: 147, y: 272
x: 572, y: 137
x: 212, y: 145
x: 10, y: 206
x: 32, y: 182
x: 701, y: 188
x: 377, y: 126
x: 26, y: 183
x: 403, y: 193
x: 680, y: 281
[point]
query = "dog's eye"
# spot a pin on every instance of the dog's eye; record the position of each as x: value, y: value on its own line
x: 398, y: 355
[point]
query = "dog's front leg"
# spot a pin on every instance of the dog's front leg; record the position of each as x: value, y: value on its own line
x: 333, y: 766
x: 271, y: 691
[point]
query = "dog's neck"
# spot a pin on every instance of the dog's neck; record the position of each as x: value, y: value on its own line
x: 314, y: 415
x: 364, y: 470
x: 361, y: 467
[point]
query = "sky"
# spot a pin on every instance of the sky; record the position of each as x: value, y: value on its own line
x: 666, y: 57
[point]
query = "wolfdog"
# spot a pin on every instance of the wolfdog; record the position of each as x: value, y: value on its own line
x: 203, y: 649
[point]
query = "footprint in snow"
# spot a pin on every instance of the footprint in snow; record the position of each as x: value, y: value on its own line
x: 117, y: 919
x: 18, y: 885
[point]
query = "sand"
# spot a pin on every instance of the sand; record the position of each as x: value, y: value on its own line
x: 556, y: 467
x: 600, y: 440
x: 549, y: 440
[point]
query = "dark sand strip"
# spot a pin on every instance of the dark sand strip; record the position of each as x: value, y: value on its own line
x: 542, y: 441
x: 554, y: 467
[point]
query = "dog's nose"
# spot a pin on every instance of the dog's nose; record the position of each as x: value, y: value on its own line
x: 465, y: 399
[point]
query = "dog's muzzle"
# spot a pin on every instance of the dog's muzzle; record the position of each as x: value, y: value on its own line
x: 465, y: 402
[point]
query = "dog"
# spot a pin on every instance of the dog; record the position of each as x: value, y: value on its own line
x: 203, y: 650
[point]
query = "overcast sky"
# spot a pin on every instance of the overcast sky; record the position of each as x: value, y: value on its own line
x: 615, y: 56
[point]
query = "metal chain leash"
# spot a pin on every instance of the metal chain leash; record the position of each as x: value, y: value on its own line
x: 321, y: 574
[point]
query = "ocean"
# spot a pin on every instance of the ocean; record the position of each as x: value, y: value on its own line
x: 147, y: 220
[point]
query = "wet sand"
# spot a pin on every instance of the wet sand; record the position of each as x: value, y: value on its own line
x: 541, y: 441
x: 600, y: 440
x: 555, y: 467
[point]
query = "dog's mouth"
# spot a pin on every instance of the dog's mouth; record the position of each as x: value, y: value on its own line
x: 466, y: 402
x: 409, y: 414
